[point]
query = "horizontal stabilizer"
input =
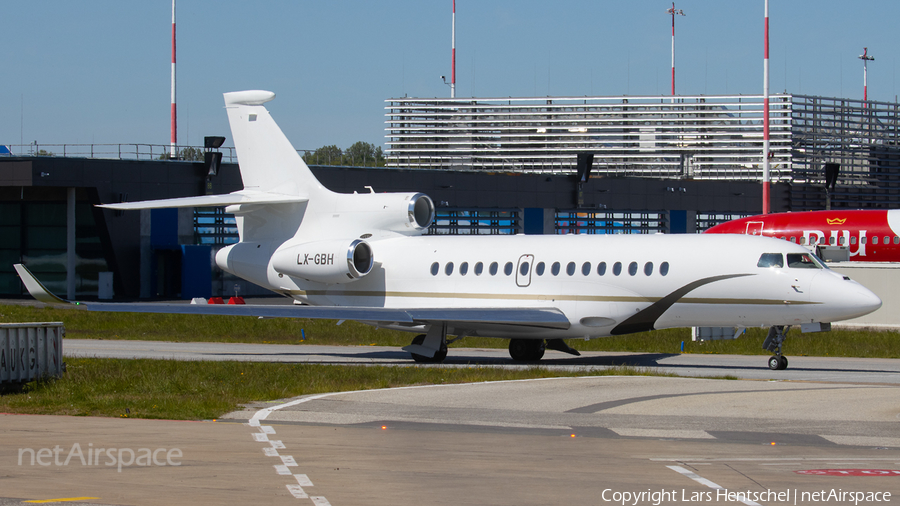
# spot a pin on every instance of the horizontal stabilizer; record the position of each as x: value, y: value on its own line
x: 241, y: 197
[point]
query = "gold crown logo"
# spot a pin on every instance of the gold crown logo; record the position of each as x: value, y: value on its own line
x: 835, y: 221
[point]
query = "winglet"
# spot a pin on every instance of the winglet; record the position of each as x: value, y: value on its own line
x: 35, y: 288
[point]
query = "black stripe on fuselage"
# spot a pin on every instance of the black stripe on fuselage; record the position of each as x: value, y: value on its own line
x: 645, y: 320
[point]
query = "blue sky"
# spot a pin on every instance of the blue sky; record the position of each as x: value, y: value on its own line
x: 97, y: 71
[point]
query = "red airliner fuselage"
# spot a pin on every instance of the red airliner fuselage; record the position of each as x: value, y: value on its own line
x: 871, y: 235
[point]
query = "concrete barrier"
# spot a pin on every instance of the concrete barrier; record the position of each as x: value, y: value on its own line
x: 30, y: 351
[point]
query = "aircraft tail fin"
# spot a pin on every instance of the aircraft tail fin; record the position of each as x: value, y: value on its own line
x: 267, y: 159
x: 36, y: 288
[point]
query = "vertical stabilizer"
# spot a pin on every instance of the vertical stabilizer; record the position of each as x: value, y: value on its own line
x: 267, y: 159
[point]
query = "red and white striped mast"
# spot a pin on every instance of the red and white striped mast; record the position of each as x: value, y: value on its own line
x: 673, y: 12
x: 865, y: 58
x: 765, y: 182
x: 453, y: 56
x: 174, y: 127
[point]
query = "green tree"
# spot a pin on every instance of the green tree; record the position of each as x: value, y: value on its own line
x: 326, y: 155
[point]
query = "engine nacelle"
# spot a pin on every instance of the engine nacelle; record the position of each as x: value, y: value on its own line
x: 338, y: 261
x: 402, y: 213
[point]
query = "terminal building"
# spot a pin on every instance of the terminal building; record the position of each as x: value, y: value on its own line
x: 492, y: 166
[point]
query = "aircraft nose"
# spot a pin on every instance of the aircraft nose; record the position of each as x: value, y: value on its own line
x: 844, y: 297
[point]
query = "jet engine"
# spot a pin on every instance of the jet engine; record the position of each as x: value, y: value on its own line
x: 337, y: 261
x: 401, y: 213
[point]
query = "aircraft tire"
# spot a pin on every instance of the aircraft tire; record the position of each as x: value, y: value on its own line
x: 782, y: 363
x: 526, y: 350
x: 438, y: 357
x: 774, y: 363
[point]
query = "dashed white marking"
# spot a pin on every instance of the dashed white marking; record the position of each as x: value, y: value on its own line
x: 270, y: 452
x: 303, y: 480
x: 282, y: 470
x: 297, y: 491
x: 267, y: 429
x: 260, y: 437
x: 277, y: 444
x: 320, y: 501
x: 289, y: 461
x: 703, y: 481
x: 663, y: 433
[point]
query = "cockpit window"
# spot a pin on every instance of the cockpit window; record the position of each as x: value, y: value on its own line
x: 802, y: 261
x: 770, y: 260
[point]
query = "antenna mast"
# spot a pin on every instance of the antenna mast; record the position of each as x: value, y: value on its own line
x: 174, y: 126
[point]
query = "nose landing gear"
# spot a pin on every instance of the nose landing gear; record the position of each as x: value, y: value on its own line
x: 773, y: 343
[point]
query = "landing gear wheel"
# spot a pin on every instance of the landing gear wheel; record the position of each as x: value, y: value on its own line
x: 778, y: 363
x: 526, y: 350
x: 438, y: 357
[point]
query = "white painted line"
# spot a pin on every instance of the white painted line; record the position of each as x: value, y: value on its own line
x: 277, y: 444
x: 253, y: 422
x: 289, y: 461
x: 297, y: 491
x: 663, y: 433
x: 267, y: 429
x: 303, y: 480
x: 270, y: 452
x: 282, y: 470
x: 260, y: 437
x: 703, y: 481
x: 320, y: 501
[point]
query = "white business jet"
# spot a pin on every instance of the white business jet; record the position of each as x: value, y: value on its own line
x: 365, y: 257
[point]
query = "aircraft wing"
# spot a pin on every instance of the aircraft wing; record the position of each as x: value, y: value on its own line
x: 463, y: 317
x: 240, y: 197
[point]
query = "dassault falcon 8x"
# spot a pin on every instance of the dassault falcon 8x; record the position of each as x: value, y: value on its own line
x: 871, y: 235
x: 365, y: 257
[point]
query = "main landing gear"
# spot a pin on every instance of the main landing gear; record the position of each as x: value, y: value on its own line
x: 773, y: 343
x: 438, y: 357
x: 532, y: 350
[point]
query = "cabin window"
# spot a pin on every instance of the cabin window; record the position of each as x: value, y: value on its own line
x: 802, y: 261
x: 479, y: 268
x: 663, y: 268
x: 435, y: 268
x: 508, y: 268
x: 586, y: 268
x: 875, y: 240
x: 648, y: 268
x: 770, y: 260
x: 632, y: 268
x: 831, y: 240
x: 852, y: 240
x: 448, y: 269
x: 617, y: 268
x: 793, y: 239
x: 463, y: 268
x: 601, y: 268
x: 493, y: 268
x: 887, y: 240
x: 841, y: 241
x: 570, y: 268
x: 862, y: 240
x: 523, y: 269
x: 803, y: 240
x: 896, y: 240
x: 554, y: 269
x: 539, y: 268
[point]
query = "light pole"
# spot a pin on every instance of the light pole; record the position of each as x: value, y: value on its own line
x: 673, y: 12
x: 765, y: 182
x: 865, y: 58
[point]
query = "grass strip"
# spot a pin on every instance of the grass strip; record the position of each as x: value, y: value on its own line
x: 179, y: 390
x: 237, y: 329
